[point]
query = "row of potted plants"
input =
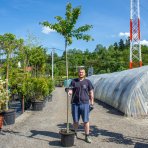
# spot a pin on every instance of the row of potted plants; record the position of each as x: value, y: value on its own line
x: 35, y: 90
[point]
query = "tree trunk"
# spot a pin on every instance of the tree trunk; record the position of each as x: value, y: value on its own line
x: 67, y: 86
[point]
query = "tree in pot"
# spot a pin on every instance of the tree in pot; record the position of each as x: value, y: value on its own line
x: 9, y: 45
x: 66, y: 28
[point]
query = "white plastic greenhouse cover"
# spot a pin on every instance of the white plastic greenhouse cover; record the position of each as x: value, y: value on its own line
x: 126, y: 91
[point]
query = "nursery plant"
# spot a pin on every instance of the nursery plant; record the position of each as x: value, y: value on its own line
x: 66, y: 28
x: 35, y: 89
x: 9, y: 44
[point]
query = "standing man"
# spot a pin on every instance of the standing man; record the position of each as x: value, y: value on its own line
x: 82, y: 100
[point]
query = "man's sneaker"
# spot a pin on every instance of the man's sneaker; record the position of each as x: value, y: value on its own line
x: 87, y: 139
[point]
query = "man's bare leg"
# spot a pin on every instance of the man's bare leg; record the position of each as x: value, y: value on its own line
x: 86, y: 128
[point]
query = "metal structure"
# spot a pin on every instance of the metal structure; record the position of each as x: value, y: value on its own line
x: 135, y: 46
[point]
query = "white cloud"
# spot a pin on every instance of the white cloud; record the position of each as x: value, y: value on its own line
x: 47, y: 30
x: 144, y: 42
x: 124, y: 34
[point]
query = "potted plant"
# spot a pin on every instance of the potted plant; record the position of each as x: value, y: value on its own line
x: 8, y: 44
x: 66, y: 28
x: 36, y: 89
x: 8, y: 114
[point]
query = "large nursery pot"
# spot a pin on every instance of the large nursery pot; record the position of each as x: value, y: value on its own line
x: 67, y: 139
x: 8, y: 117
x: 37, y: 105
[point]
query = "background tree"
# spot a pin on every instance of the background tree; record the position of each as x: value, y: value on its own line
x: 121, y: 45
x: 38, y: 60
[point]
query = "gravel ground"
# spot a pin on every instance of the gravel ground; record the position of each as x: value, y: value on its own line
x: 109, y: 128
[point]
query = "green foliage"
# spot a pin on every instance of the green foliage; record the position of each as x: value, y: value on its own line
x: 144, y: 51
x: 50, y: 84
x: 37, y: 88
x: 102, y: 59
x: 16, y: 79
x: 38, y: 59
x: 40, y: 88
x: 66, y: 27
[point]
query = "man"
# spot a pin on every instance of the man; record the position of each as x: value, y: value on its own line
x: 82, y: 99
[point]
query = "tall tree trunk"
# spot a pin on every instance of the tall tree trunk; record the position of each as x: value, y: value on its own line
x: 67, y: 86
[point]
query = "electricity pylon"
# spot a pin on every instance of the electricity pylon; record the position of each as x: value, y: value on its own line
x: 135, y: 46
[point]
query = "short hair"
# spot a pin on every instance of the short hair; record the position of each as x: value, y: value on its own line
x: 81, y: 68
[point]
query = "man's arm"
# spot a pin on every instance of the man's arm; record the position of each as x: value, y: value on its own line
x: 91, y: 96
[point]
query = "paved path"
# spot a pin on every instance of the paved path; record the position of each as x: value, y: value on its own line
x: 109, y: 128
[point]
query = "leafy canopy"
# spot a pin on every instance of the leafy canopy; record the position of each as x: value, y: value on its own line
x: 66, y: 27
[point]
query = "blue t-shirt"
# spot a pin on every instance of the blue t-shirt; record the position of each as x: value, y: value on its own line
x: 81, y: 90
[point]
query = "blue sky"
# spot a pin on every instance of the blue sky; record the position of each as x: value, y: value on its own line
x: 110, y: 20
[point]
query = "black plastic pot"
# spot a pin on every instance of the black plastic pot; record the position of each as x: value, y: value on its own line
x: 8, y: 117
x: 37, y: 105
x: 67, y: 139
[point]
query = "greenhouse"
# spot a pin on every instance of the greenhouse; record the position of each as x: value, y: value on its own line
x: 126, y: 91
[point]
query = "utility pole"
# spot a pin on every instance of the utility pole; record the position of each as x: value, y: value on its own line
x: 52, y: 62
x: 135, y: 46
x: 52, y: 56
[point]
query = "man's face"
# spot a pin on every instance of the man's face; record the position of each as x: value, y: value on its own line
x: 81, y: 73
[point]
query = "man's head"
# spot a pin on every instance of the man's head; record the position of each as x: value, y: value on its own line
x: 81, y: 73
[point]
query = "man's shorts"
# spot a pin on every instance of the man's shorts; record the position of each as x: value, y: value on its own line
x: 80, y: 110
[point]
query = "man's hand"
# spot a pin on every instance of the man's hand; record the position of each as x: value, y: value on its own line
x: 68, y: 90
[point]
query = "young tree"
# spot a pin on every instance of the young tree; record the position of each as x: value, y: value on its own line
x: 66, y: 28
x: 38, y: 59
x: 9, y: 43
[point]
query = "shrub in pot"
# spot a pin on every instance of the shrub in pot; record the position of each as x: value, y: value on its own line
x: 36, y: 89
